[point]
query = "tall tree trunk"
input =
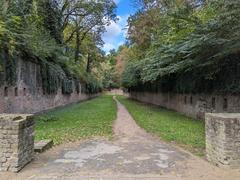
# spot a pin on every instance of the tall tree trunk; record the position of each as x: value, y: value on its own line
x: 89, y: 63
x: 78, y: 43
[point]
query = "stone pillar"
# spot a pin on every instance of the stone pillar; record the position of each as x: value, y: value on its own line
x: 16, y: 141
x: 223, y: 139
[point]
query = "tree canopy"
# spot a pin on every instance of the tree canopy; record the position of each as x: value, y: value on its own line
x: 184, y: 46
x: 64, y: 36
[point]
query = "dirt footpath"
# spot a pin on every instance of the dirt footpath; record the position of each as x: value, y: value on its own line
x: 132, y: 154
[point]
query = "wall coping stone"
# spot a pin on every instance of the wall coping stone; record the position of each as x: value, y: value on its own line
x: 224, y: 115
x: 14, y: 117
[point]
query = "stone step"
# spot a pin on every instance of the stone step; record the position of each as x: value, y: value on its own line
x: 43, y: 145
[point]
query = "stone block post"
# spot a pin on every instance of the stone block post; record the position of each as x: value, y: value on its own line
x: 223, y: 139
x: 16, y: 141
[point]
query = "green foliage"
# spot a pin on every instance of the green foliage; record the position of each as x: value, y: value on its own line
x: 131, y: 75
x: 92, y: 84
x: 84, y: 18
x: 67, y: 86
x: 192, y: 48
x: 47, y: 119
x: 110, y: 75
x: 10, y: 70
x: 79, y: 121
x: 43, y: 46
x: 51, y: 18
x: 34, y: 30
x: 110, y: 79
x: 52, y: 76
x: 22, y: 35
x: 7, y: 68
x: 168, y: 125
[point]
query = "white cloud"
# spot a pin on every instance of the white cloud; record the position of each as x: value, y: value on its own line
x: 124, y: 23
x: 115, y: 33
x: 113, y: 30
x: 108, y: 46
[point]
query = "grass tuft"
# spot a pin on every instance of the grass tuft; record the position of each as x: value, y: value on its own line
x: 83, y: 120
x: 168, y: 125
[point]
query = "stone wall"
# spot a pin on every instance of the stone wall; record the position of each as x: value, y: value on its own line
x: 117, y: 92
x: 27, y: 95
x: 193, y: 105
x: 223, y: 139
x: 16, y: 141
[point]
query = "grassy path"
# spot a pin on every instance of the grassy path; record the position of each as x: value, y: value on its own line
x: 168, y: 125
x: 87, y: 119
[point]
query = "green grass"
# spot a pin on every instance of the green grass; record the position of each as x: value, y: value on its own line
x: 170, y: 126
x: 83, y: 120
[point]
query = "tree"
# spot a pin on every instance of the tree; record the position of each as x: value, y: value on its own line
x: 85, y: 17
x: 192, y: 46
x: 52, y: 18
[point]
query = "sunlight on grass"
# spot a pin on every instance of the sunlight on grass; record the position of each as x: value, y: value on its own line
x: 168, y: 125
x: 83, y: 120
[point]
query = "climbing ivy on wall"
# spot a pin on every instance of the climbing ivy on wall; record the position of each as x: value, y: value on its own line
x: 1, y: 70
x: 54, y: 78
x: 7, y: 69
x: 67, y: 86
x: 224, y: 80
x: 77, y: 86
x: 192, y: 48
x: 40, y: 31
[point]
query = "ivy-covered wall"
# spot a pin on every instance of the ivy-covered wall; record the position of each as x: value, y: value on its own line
x: 50, y: 77
x: 29, y: 86
x: 221, y: 78
x: 7, y: 68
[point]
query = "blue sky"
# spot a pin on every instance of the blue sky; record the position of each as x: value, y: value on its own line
x: 115, y: 33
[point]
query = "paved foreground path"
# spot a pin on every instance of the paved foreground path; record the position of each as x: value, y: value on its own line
x: 132, y: 154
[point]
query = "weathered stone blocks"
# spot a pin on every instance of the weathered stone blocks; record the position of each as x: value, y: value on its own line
x: 223, y: 138
x: 43, y: 145
x: 16, y: 141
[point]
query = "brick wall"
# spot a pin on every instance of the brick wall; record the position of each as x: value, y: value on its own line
x: 193, y: 105
x: 27, y: 95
